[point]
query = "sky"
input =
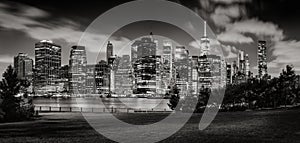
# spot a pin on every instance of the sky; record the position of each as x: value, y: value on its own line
x: 238, y: 25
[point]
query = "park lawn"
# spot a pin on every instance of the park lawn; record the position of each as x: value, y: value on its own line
x: 281, y: 125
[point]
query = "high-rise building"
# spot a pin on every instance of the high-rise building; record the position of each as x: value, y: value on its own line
x: 262, y: 59
x: 77, y: 65
x: 123, y: 76
x: 47, y: 65
x: 109, y: 50
x: 23, y: 66
x: 229, y: 73
x: 102, y: 77
x: 205, y: 42
x: 64, y: 78
x: 182, y: 68
x: 204, y: 71
x: 205, y: 64
x: 134, y: 53
x: 91, y: 79
x: 247, y: 64
x: 241, y: 62
x: 144, y: 63
x: 194, y: 76
x: 167, y: 64
x: 110, y: 58
x: 146, y: 48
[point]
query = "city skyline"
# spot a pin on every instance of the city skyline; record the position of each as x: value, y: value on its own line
x: 229, y: 21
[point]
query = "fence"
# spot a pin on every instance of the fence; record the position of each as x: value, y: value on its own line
x: 100, y: 110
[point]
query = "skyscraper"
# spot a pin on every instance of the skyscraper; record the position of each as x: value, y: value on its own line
x: 167, y: 64
x: 123, y: 76
x: 194, y: 76
x: 247, y: 64
x: 110, y: 58
x: 229, y: 75
x: 241, y: 62
x: 145, y: 66
x: 65, y: 78
x: 47, y: 65
x: 182, y: 68
x: 146, y: 48
x: 205, y: 42
x: 91, y: 79
x: 102, y: 77
x: 262, y: 59
x: 109, y: 50
x: 23, y: 66
x: 204, y: 70
x: 77, y: 65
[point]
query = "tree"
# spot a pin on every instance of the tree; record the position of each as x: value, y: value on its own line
x: 288, y: 85
x: 174, y: 100
x: 12, y: 106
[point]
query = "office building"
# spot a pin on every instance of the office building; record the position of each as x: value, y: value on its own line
x: 47, y: 65
x: 123, y: 79
x: 23, y: 66
x: 77, y: 65
x: 182, y: 69
x: 262, y: 59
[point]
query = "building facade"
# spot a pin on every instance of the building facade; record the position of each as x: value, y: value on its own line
x: 102, y: 71
x: 145, y: 69
x: 182, y: 69
x: 167, y: 65
x: 77, y: 63
x: 123, y: 79
x: 262, y: 59
x: 23, y: 66
x: 47, y: 65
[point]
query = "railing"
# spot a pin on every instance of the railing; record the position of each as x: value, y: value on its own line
x: 100, y: 110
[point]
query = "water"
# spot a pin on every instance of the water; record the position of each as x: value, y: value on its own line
x: 95, y: 102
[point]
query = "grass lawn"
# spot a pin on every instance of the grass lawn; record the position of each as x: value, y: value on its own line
x: 282, y: 125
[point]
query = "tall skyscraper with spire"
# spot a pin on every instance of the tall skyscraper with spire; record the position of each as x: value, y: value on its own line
x: 204, y: 70
x: 205, y: 42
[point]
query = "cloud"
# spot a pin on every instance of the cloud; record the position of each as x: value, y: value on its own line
x: 234, y: 11
x: 230, y: 51
x: 236, y: 31
x: 195, y: 44
x: 231, y: 1
x: 234, y: 37
x: 2, y: 5
x: 33, y: 12
x: 27, y: 19
x: 257, y: 27
x: 287, y: 52
x: 220, y: 20
x: 6, y: 59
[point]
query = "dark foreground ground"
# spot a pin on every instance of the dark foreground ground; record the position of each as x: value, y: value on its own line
x: 282, y: 125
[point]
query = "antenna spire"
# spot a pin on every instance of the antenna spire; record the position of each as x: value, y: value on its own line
x: 204, y: 28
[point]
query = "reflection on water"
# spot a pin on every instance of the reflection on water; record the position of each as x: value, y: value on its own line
x: 136, y: 103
